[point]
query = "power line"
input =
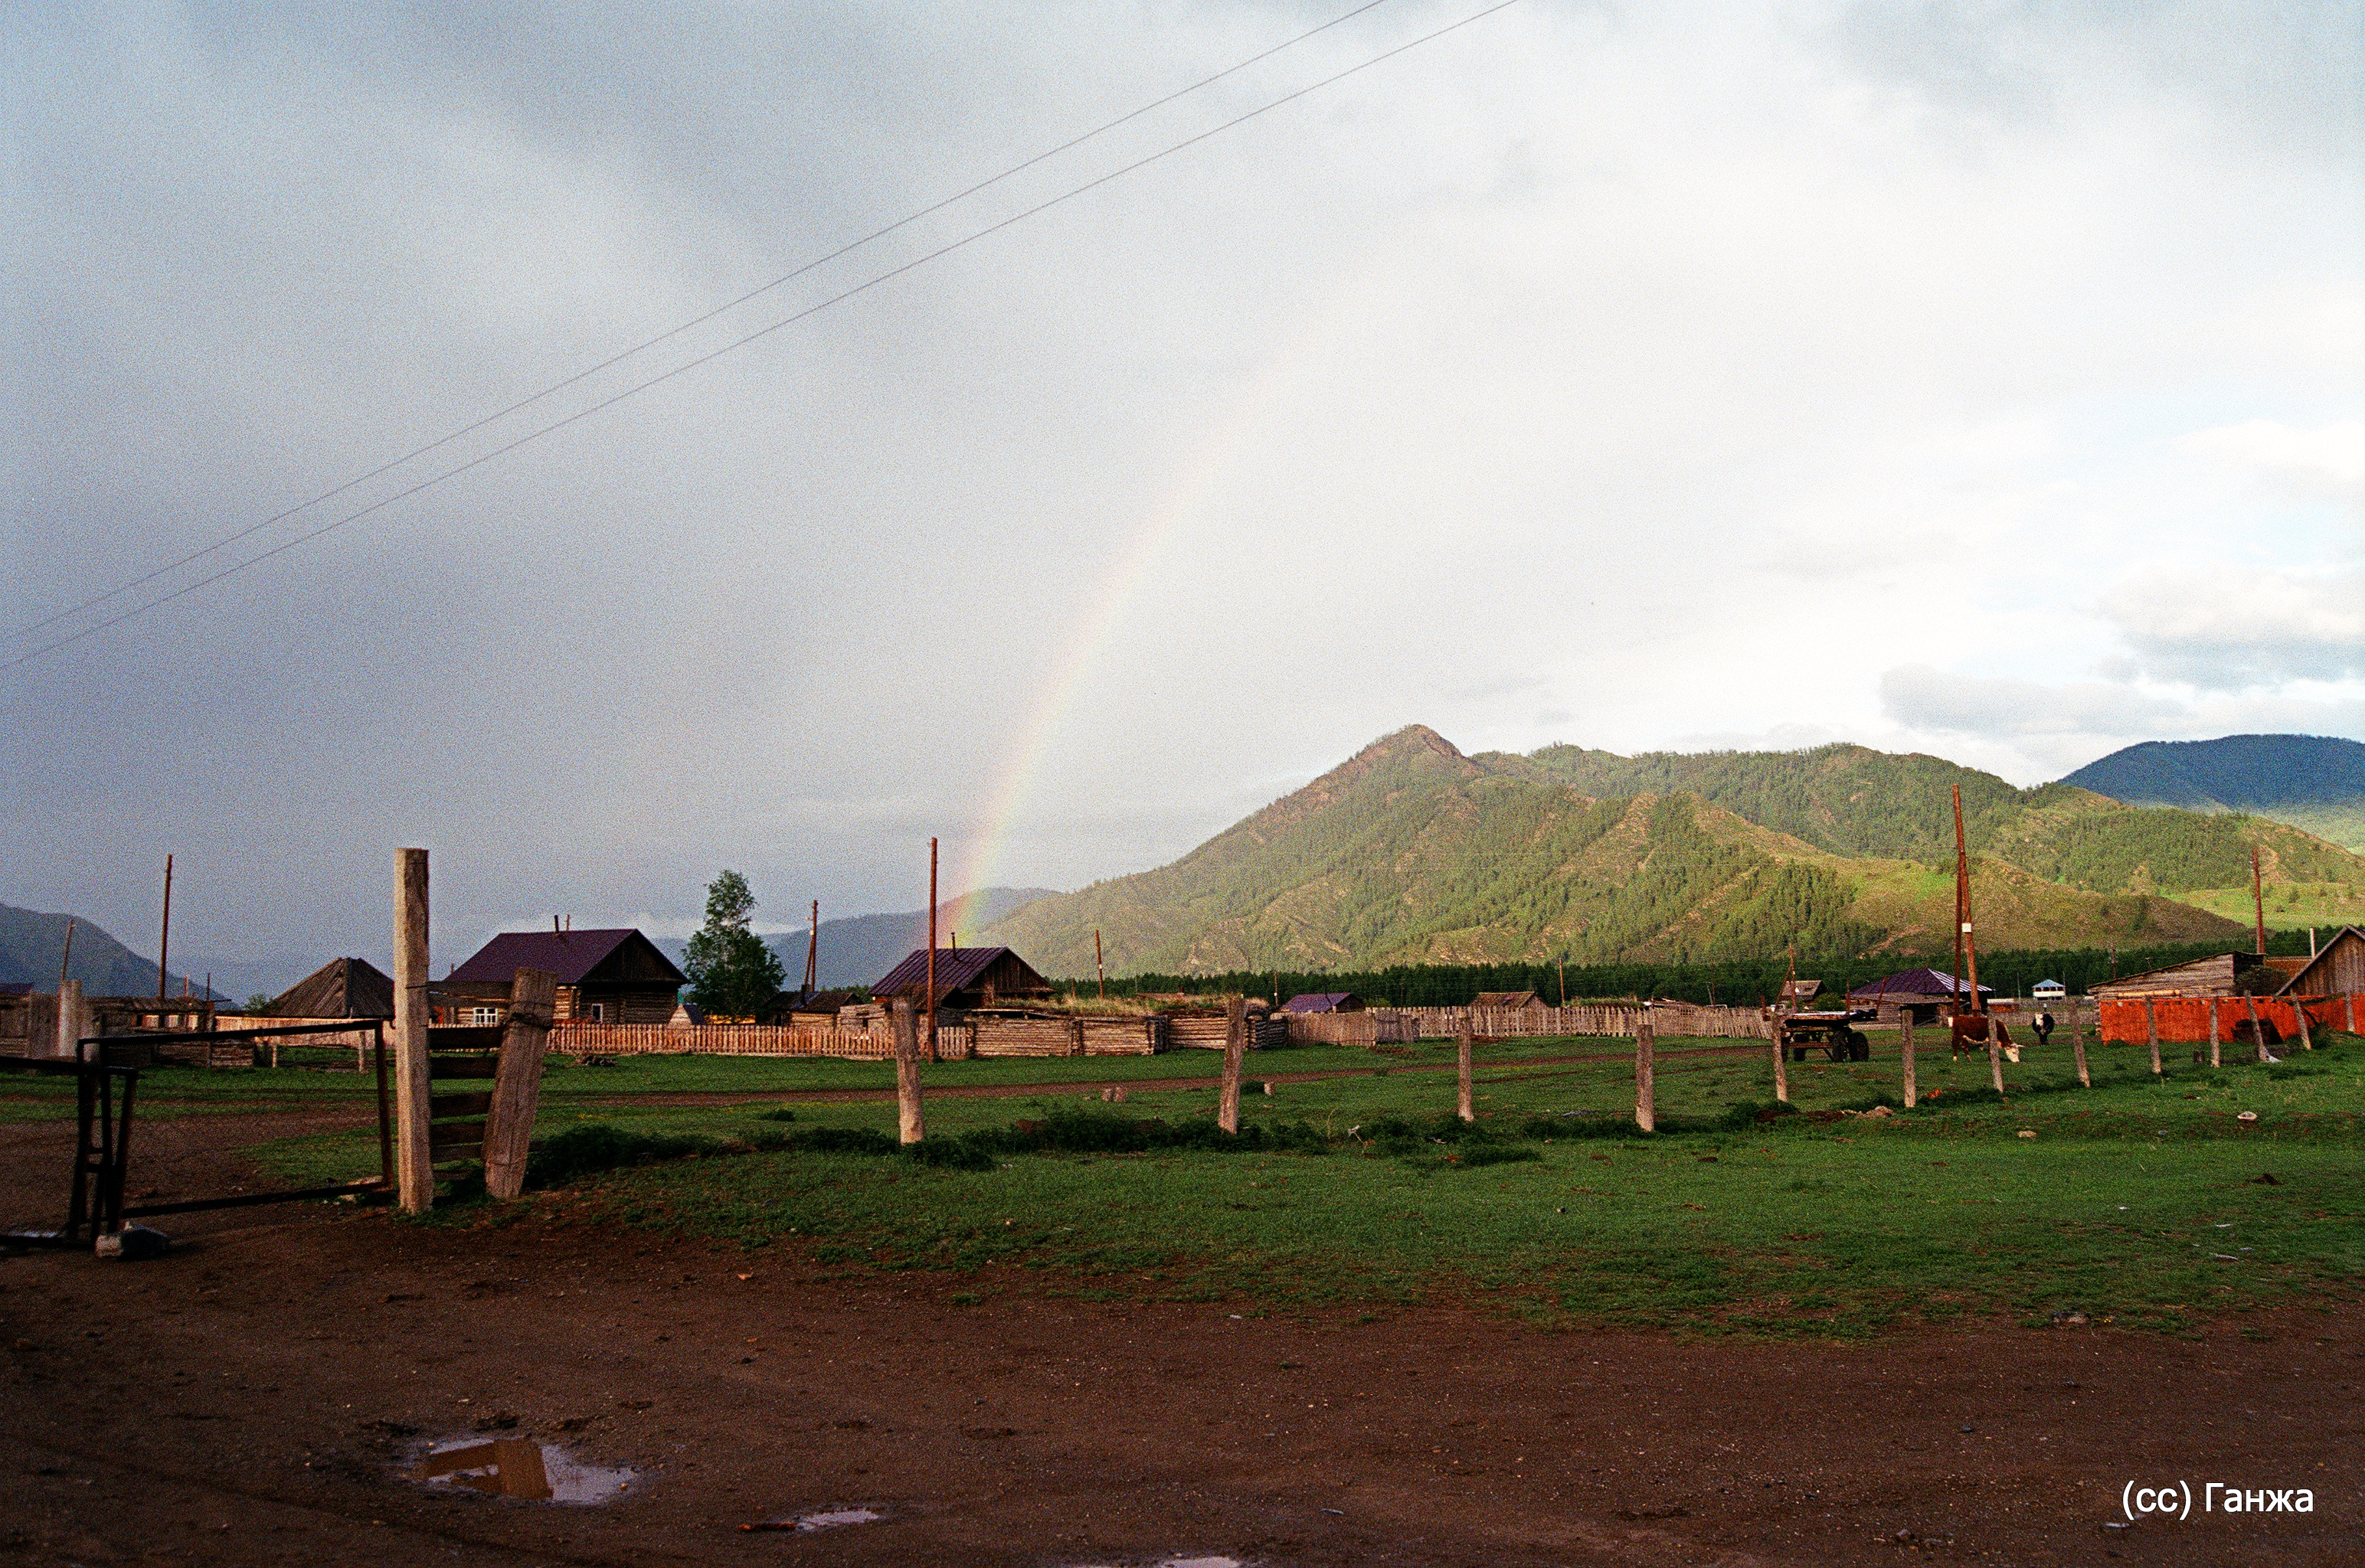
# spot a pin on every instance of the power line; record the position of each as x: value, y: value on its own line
x: 788, y: 320
x: 671, y: 332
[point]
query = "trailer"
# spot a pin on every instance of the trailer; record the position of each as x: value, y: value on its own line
x: 1832, y: 1032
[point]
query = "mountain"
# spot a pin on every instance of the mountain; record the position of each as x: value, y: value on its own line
x: 1411, y: 852
x: 2315, y: 782
x: 31, y: 943
x: 858, y: 949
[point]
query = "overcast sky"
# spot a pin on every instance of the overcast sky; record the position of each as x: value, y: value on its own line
x: 1981, y: 379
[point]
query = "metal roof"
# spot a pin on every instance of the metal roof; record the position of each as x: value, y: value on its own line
x: 569, y: 955
x: 341, y: 987
x: 1916, y: 983
x: 1318, y: 1001
x: 956, y: 969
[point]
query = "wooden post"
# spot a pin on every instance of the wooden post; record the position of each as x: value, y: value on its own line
x: 907, y: 1072
x: 73, y: 1019
x: 2257, y: 1030
x: 517, y: 1082
x: 1646, y: 1113
x: 2077, y: 1046
x: 2351, y: 1000
x: 164, y: 938
x: 2214, y: 1058
x: 1099, y: 967
x: 1905, y: 1051
x: 1995, y: 1052
x: 1781, y: 1066
x: 2299, y: 1008
x: 414, y: 1166
x: 1467, y: 1109
x: 1236, y: 1044
x: 2151, y: 1034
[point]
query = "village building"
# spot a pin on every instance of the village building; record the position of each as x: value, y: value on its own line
x: 1923, y: 995
x: 604, y: 976
x: 2337, y: 968
x: 967, y: 978
x: 1323, y: 1001
x: 1507, y: 999
x: 341, y: 987
x: 2046, y: 993
x: 2219, y: 974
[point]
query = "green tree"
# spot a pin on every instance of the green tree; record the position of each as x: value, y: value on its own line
x: 732, y: 973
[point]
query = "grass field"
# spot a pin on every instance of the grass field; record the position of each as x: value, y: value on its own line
x: 2139, y: 1202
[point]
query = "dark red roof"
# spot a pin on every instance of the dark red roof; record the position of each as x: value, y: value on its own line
x: 1915, y: 982
x: 956, y: 969
x: 569, y: 955
x: 1319, y: 1001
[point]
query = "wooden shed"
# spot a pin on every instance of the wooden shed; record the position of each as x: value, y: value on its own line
x: 1323, y: 1001
x: 1507, y: 999
x: 2337, y: 968
x: 966, y: 978
x: 1923, y: 995
x: 341, y: 987
x: 604, y: 976
x: 2219, y: 974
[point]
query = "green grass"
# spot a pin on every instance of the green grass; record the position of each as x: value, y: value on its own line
x: 1560, y: 1212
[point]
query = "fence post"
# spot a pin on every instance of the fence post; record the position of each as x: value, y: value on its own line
x: 1905, y: 1050
x: 1995, y: 1050
x: 414, y: 1166
x: 2299, y: 1007
x: 2257, y: 1030
x: 73, y: 1019
x: 517, y: 1082
x: 1468, y: 1111
x: 1235, y: 1042
x: 2151, y: 1034
x: 1781, y: 1067
x: 2214, y: 1058
x: 2077, y: 1046
x: 907, y: 1073
x: 1646, y: 1112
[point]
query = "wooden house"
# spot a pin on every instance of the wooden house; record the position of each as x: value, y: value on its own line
x: 1323, y: 1001
x: 966, y: 978
x: 2219, y: 974
x: 2337, y: 968
x: 1923, y: 995
x: 341, y: 987
x: 604, y: 976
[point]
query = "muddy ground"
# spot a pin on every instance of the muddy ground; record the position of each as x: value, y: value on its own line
x: 255, y: 1396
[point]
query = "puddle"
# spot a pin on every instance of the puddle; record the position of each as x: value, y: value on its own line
x: 1197, y: 1562
x: 514, y: 1467
x: 829, y: 1519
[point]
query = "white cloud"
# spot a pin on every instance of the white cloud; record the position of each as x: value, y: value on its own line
x: 2330, y: 458
x: 2236, y: 628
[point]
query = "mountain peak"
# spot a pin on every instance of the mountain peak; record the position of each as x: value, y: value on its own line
x: 1410, y: 740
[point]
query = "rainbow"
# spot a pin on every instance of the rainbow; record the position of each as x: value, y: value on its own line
x: 982, y: 853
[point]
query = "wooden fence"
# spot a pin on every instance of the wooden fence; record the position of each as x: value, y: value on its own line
x: 984, y: 1035
x: 2184, y: 1020
x: 1204, y: 1031
x: 1620, y: 1019
x: 1374, y: 1027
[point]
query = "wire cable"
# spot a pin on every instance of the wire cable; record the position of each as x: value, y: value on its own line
x: 761, y: 332
x: 756, y: 293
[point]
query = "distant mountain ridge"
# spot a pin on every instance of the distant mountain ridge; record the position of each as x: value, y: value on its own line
x: 31, y: 943
x: 1411, y: 852
x: 857, y: 951
x: 2314, y: 782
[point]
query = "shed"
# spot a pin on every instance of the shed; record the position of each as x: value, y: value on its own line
x: 341, y: 987
x: 1323, y: 1001
x: 2219, y: 974
x: 604, y: 976
x: 2337, y: 968
x: 1923, y: 995
x: 966, y: 977
x: 1507, y: 999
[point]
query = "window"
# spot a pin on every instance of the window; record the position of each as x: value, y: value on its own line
x: 599, y: 1013
x: 484, y: 1017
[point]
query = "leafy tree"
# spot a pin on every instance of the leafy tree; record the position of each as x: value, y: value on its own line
x: 732, y: 973
x: 260, y: 1002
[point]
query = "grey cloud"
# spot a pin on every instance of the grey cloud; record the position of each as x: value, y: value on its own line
x: 1922, y: 697
x: 2233, y: 629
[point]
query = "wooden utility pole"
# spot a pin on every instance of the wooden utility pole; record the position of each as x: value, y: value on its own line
x: 2259, y: 900
x: 164, y: 940
x: 1236, y: 1045
x: 517, y: 1082
x: 1905, y: 1050
x: 1646, y: 1111
x: 74, y: 1020
x: 813, y: 953
x: 414, y: 1161
x: 65, y: 959
x: 1962, y: 902
x: 1462, y: 1043
x: 1099, y: 967
x: 1562, y: 964
x: 907, y: 1073
x: 932, y: 955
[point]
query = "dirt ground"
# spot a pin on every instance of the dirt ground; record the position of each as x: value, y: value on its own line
x: 253, y: 1396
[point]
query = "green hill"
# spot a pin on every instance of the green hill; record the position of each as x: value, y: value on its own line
x: 1412, y: 853
x: 2314, y: 782
x: 31, y: 943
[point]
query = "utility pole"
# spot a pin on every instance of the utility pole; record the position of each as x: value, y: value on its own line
x: 813, y: 953
x: 1098, y: 967
x: 931, y: 952
x: 65, y: 959
x: 164, y: 940
x: 2259, y: 900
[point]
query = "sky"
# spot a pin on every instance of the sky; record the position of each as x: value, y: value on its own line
x: 1981, y: 379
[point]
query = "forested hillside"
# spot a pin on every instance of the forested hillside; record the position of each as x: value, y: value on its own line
x: 31, y: 943
x: 1411, y: 853
x: 2315, y: 782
